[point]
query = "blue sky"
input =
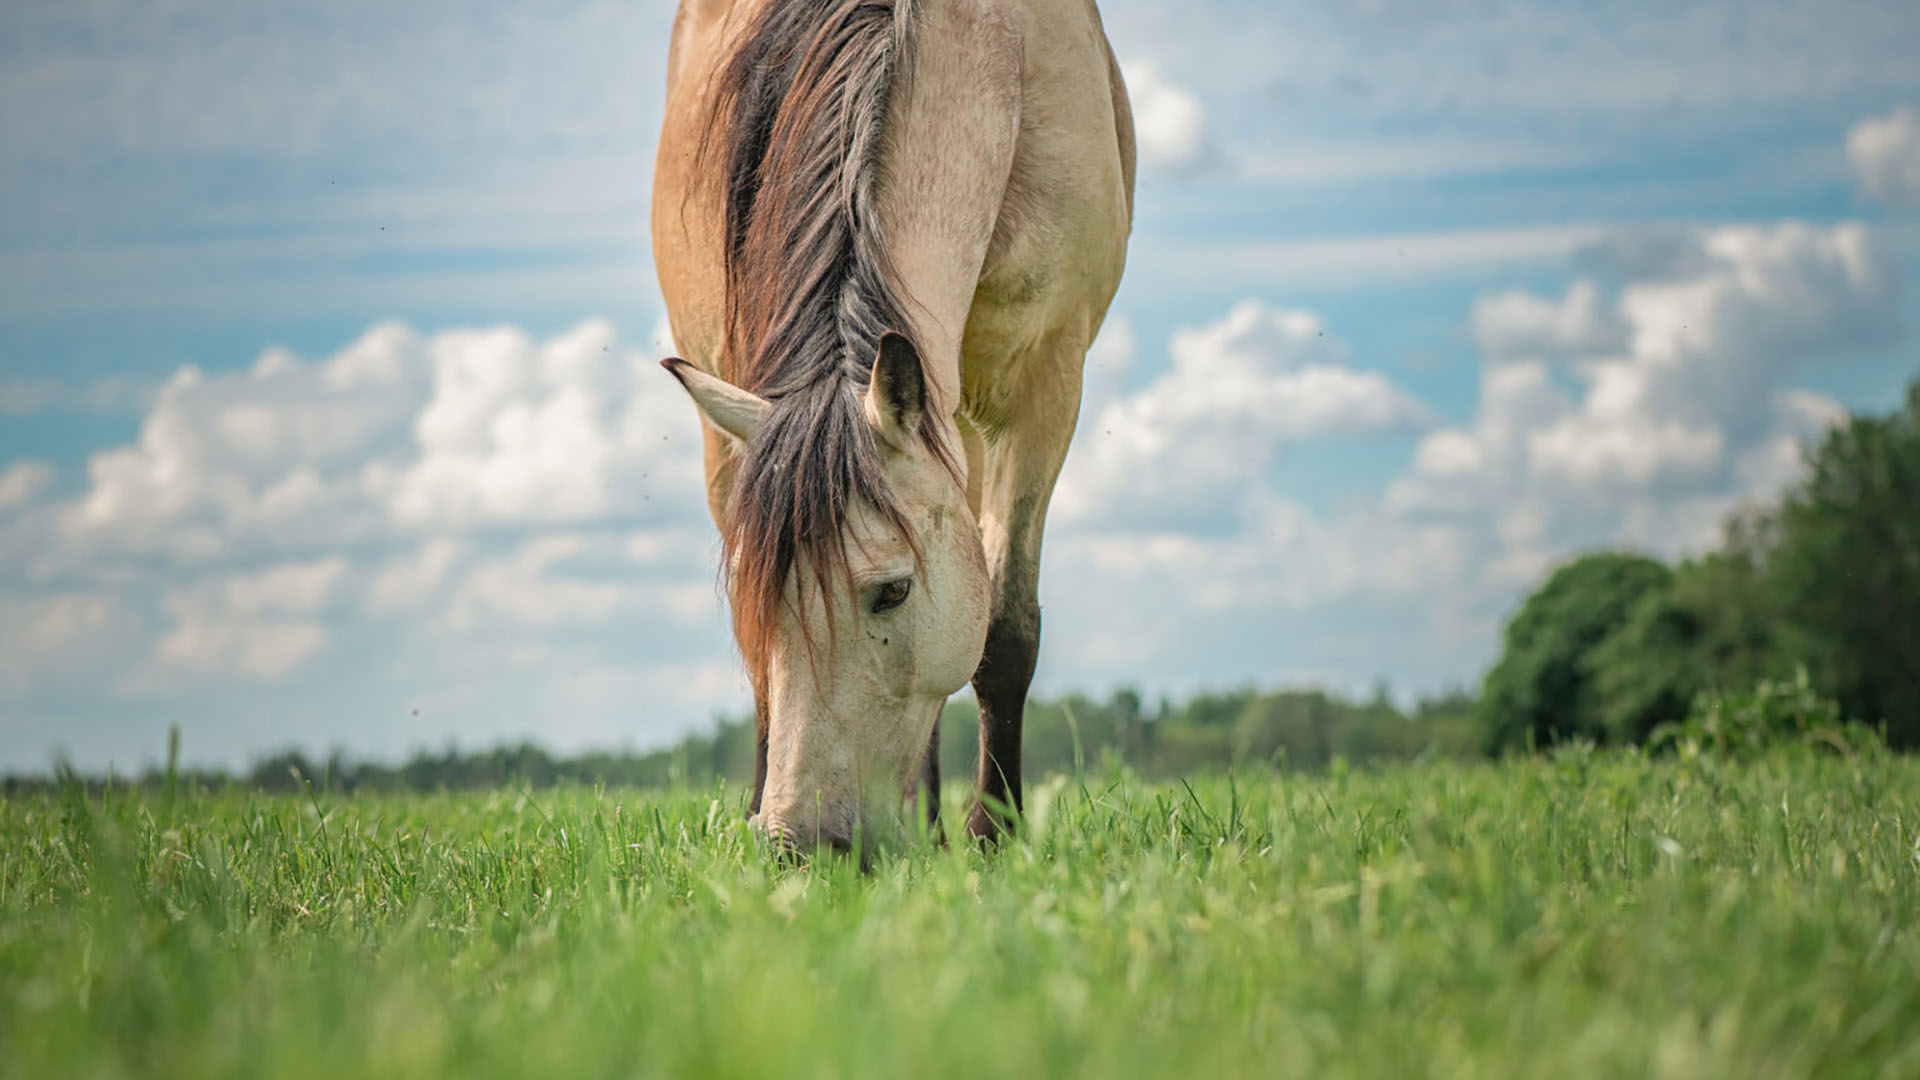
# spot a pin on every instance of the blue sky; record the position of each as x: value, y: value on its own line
x: 328, y: 414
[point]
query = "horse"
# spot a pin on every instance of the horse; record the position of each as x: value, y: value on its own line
x: 886, y: 232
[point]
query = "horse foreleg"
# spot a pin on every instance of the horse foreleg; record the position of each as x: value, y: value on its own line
x: 759, y: 753
x: 926, y: 783
x: 1020, y: 464
x: 1000, y: 685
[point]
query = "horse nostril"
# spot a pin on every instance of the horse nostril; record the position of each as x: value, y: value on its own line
x: 787, y: 850
x: 841, y: 845
x: 792, y: 847
x: 780, y: 841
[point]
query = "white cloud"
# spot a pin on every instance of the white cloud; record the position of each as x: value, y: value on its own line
x: 22, y: 482
x: 1768, y: 298
x: 1885, y: 154
x: 1641, y: 415
x: 270, y: 525
x: 293, y: 588
x: 1520, y: 324
x: 1240, y: 391
x: 268, y: 457
x: 263, y: 650
x: 394, y: 435
x: 1707, y: 351
x: 1680, y: 372
x: 1624, y: 448
x: 522, y: 519
x: 525, y: 589
x: 567, y: 431
x: 575, y: 580
x: 408, y: 582
x: 39, y: 634
x: 1169, y: 123
x: 1456, y: 471
x: 259, y: 625
x: 21, y: 396
x: 1689, y: 415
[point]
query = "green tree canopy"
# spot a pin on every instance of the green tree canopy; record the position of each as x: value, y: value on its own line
x: 1845, y: 561
x: 1543, y: 686
x: 1714, y: 627
x: 1613, y: 645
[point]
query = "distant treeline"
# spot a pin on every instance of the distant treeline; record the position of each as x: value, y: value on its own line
x: 1296, y: 729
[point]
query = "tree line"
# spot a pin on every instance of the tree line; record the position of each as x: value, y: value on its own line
x: 1303, y: 729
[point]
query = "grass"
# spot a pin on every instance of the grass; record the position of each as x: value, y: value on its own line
x: 1590, y: 915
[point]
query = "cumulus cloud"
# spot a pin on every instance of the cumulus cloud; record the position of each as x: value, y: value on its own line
x: 40, y: 635
x: 261, y: 512
x: 1169, y: 123
x: 396, y: 435
x: 409, y: 581
x: 259, y: 625
x: 1885, y: 154
x: 1642, y: 253
x: 488, y: 523
x: 1637, y: 414
x: 1618, y: 446
x: 294, y: 588
x: 1458, y: 471
x: 1689, y: 415
x: 22, y: 482
x: 267, y: 458
x: 531, y: 588
x: 208, y: 641
x: 1240, y: 391
x: 1706, y: 352
x: 1519, y: 324
x: 482, y: 516
x: 21, y: 396
x: 560, y: 432
x: 573, y: 581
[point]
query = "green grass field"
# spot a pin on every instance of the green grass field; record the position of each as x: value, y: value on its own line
x: 1590, y: 915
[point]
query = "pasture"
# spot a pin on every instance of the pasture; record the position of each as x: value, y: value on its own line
x: 1589, y: 914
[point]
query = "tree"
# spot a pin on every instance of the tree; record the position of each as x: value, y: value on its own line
x: 1542, y: 686
x: 1846, y: 563
x: 1714, y: 628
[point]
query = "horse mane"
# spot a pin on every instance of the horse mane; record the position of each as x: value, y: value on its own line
x: 799, y: 116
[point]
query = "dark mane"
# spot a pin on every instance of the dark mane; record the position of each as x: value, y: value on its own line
x: 798, y: 120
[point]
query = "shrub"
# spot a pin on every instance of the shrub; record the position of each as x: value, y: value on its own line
x: 1774, y: 713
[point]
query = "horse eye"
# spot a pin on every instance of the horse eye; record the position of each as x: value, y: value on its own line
x: 892, y: 595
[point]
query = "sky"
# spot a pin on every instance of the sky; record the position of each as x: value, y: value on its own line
x: 330, y: 417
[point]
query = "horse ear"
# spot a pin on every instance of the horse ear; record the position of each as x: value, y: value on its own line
x: 897, y: 396
x: 737, y: 412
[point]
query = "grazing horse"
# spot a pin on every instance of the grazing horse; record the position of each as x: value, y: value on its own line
x: 887, y: 231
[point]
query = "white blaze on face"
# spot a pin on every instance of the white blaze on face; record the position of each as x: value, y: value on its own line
x: 851, y: 716
x: 857, y: 673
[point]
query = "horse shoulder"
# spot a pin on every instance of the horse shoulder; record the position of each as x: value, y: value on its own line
x: 1059, y: 239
